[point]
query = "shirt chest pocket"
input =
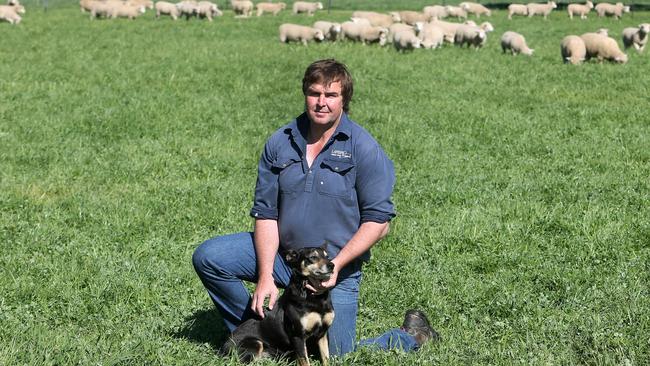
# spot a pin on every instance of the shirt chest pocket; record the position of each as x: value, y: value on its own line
x: 289, y: 171
x: 336, y: 178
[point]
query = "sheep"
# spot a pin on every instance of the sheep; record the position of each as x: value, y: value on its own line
x: 188, y: 8
x: 456, y: 11
x: 378, y: 19
x: 406, y: 40
x: 515, y: 43
x: 13, y: 2
x: 636, y: 37
x: 9, y: 13
x: 242, y: 8
x: 470, y: 35
x: 167, y: 8
x: 486, y: 26
x: 541, y: 9
x: 399, y: 27
x: 580, y: 9
x: 148, y: 4
x: 99, y: 9
x: 573, y: 50
x: 207, y: 9
x: 603, y: 48
x: 299, y: 33
x: 124, y: 10
x: 273, y: 8
x: 449, y: 28
x: 435, y: 11
x: 364, y: 33
x: 330, y: 30
x: 412, y: 17
x: 432, y: 36
x: 517, y: 9
x: 615, y: 10
x: 603, y: 31
x: 475, y: 8
x: 306, y: 7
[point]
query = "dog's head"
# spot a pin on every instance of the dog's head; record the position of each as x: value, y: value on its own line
x: 312, y: 263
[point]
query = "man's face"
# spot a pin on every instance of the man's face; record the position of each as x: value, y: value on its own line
x: 324, y: 104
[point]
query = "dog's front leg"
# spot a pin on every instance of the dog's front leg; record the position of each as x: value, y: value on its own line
x: 300, y: 346
x: 323, y: 348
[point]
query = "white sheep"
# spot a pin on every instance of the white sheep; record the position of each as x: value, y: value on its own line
x: 636, y: 37
x: 475, y: 8
x: 100, y: 9
x: 615, y: 10
x: 188, y: 8
x: 435, y: 11
x: 470, y: 35
x: 603, y: 31
x: 399, y: 27
x: 515, y: 43
x: 456, y: 11
x: 208, y: 9
x: 573, y: 50
x: 273, y: 8
x: 449, y: 28
x: 603, y: 48
x: 299, y: 33
x: 378, y: 19
x: 13, y: 2
x: 432, y: 36
x: 242, y: 8
x: 331, y: 30
x: 306, y: 7
x: 412, y: 17
x: 541, y: 9
x: 125, y: 10
x: 406, y: 40
x: 580, y: 9
x: 146, y: 3
x: 517, y: 9
x: 9, y: 13
x: 167, y: 8
x: 364, y: 33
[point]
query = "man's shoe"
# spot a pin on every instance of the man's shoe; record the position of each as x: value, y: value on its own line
x: 417, y: 325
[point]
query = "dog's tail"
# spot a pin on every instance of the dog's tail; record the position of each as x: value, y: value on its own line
x: 246, y: 350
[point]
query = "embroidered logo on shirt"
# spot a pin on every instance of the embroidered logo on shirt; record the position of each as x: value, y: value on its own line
x: 341, y: 154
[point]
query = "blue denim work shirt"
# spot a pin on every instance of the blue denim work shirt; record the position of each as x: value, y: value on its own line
x: 349, y: 182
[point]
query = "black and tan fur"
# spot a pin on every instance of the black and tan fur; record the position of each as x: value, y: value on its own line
x: 298, y: 321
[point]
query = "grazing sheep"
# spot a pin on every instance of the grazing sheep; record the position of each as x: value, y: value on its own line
x: 636, y: 37
x: 13, y: 2
x: 573, y: 50
x: 330, y: 30
x: 615, y: 10
x: 364, y: 33
x: 456, y: 11
x: 306, y: 7
x: 432, y: 36
x: 486, y: 26
x: 412, y: 17
x: 603, y: 48
x: 406, y: 40
x: 9, y: 13
x: 299, y: 33
x: 517, y: 9
x: 127, y: 11
x: 470, y: 35
x: 541, y: 9
x: 603, y: 31
x: 580, y: 9
x: 399, y: 27
x: 100, y: 9
x: 378, y: 19
x: 449, y: 28
x: 435, y: 11
x: 475, y: 8
x: 207, y: 9
x: 515, y: 43
x: 242, y: 8
x: 167, y: 8
x: 273, y: 8
x: 146, y: 3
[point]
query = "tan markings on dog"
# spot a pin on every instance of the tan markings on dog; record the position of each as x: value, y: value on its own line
x: 323, y: 348
x: 328, y: 318
x: 311, y: 320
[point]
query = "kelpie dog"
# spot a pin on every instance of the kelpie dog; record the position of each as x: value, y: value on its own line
x: 299, y: 318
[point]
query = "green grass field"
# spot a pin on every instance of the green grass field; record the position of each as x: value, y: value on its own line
x: 523, y: 196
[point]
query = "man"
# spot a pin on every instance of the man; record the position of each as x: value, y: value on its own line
x: 321, y: 178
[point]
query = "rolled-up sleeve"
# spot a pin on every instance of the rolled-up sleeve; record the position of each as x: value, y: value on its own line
x: 375, y: 182
x: 265, y: 203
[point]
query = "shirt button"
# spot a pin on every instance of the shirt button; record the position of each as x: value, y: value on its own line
x: 321, y: 182
x: 336, y: 168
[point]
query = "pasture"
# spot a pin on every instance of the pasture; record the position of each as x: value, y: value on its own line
x: 523, y: 196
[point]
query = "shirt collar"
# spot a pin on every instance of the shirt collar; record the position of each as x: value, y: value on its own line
x: 298, y: 128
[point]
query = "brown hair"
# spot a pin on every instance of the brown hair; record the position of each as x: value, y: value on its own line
x: 326, y: 72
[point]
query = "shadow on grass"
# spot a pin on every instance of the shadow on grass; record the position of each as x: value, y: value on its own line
x: 204, y: 326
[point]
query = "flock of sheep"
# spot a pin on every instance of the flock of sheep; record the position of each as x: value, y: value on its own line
x: 406, y: 30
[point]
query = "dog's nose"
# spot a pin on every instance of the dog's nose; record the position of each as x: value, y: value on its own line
x: 330, y: 266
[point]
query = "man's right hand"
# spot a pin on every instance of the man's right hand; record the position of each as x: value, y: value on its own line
x: 265, y: 288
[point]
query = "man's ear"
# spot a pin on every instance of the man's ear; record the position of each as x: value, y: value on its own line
x: 291, y: 256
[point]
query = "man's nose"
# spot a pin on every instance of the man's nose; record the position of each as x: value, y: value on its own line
x: 321, y: 99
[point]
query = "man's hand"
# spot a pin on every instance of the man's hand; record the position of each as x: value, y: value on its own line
x: 265, y: 288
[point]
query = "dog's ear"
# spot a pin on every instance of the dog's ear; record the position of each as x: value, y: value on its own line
x: 324, y: 246
x: 291, y: 256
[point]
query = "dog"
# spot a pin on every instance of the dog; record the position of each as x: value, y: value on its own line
x: 299, y: 318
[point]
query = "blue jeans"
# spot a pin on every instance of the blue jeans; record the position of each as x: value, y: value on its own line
x: 224, y: 261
